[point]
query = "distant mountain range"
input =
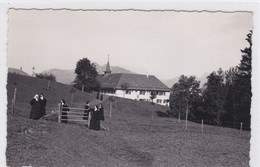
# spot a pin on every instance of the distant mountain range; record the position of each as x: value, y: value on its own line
x: 170, y: 82
x: 67, y: 76
x: 62, y: 75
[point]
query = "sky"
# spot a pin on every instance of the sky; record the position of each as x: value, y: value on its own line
x: 166, y: 44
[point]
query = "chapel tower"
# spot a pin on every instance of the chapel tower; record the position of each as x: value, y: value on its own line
x: 108, y: 70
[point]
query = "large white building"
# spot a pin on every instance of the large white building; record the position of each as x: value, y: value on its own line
x: 133, y: 86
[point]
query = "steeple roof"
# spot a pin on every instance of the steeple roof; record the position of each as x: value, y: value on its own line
x: 108, y: 70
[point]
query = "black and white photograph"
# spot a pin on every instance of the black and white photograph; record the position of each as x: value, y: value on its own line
x: 128, y: 86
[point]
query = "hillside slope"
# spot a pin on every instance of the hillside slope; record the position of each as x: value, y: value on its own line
x: 136, y: 135
x: 130, y: 141
x: 27, y: 87
x: 17, y: 71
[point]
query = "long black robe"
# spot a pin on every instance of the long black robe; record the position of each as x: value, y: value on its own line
x: 94, y: 121
x: 101, y: 114
x: 43, y: 103
x: 35, y: 112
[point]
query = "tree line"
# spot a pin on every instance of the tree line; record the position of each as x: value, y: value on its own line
x: 225, y: 99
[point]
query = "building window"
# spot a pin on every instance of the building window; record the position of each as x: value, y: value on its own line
x: 159, y: 101
x: 164, y: 101
x: 128, y: 92
x: 142, y: 92
x: 161, y: 93
x: 108, y: 91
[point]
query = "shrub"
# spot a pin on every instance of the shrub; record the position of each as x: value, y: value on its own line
x: 50, y: 77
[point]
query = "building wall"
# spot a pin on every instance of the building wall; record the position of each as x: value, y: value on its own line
x: 140, y: 95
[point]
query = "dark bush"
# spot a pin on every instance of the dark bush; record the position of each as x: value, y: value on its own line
x: 50, y: 77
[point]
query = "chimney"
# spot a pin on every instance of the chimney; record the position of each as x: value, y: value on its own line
x: 147, y: 75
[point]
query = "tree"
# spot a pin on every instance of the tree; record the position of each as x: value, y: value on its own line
x: 183, y: 94
x: 177, y: 101
x: 86, y: 74
x: 245, y: 66
x: 215, y: 96
x: 242, y: 86
x: 229, y: 106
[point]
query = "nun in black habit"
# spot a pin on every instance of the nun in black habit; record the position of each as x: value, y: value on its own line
x: 94, y: 121
x: 43, y: 103
x: 86, y: 111
x: 35, y: 112
x: 64, y: 112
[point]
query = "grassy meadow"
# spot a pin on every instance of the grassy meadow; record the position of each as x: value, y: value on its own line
x: 134, y: 138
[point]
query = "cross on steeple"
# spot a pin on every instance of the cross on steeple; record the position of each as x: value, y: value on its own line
x: 108, y: 70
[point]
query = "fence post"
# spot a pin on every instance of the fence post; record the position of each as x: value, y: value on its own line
x: 49, y: 84
x: 71, y: 99
x: 59, y: 114
x: 179, y: 117
x: 13, y: 100
x: 89, y: 118
x: 202, y: 126
x: 241, y: 127
x: 82, y: 88
x: 186, y: 122
x: 12, y: 112
x: 110, y: 110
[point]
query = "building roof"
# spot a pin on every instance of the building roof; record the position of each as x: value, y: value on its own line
x: 131, y: 81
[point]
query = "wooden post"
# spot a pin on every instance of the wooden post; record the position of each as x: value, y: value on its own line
x: 49, y: 82
x: 241, y: 127
x: 179, y: 117
x: 151, y: 125
x: 82, y: 88
x: 12, y: 112
x: 71, y: 100
x: 110, y: 110
x: 13, y: 100
x: 15, y: 90
x: 201, y: 126
x: 59, y: 114
x: 186, y: 122
x: 89, y: 118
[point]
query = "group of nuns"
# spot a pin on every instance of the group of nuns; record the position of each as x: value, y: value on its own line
x: 94, y: 115
x: 38, y: 104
